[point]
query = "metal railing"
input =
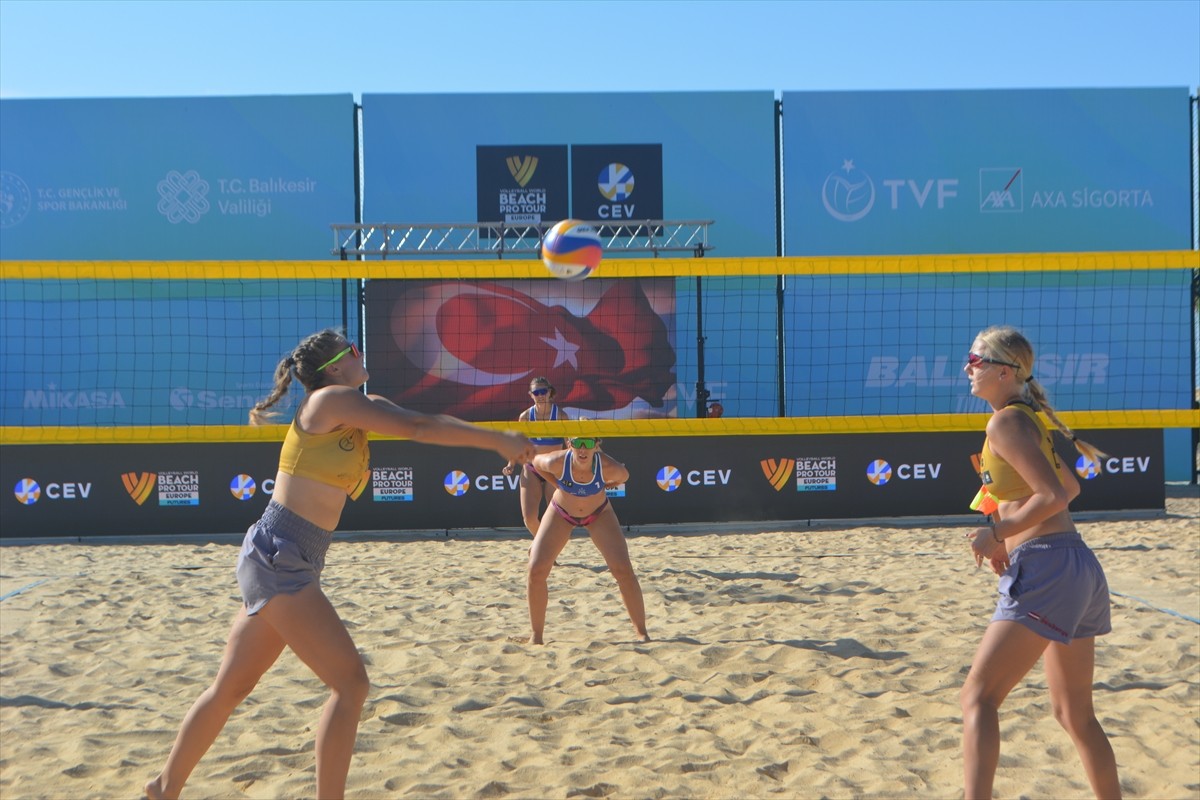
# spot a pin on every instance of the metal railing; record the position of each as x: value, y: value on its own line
x: 500, y: 239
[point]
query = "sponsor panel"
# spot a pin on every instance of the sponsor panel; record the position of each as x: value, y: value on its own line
x: 521, y: 184
x: 618, y: 182
x: 392, y: 484
x: 816, y: 474
x: 107, y: 491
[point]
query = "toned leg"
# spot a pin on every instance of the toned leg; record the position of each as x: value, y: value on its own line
x: 311, y: 627
x: 531, y: 498
x: 1008, y: 651
x: 253, y: 647
x: 606, y: 535
x: 1069, y: 674
x: 551, y: 538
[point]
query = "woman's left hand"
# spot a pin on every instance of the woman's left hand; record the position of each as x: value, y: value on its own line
x: 985, y: 546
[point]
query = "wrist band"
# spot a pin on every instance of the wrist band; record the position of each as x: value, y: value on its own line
x: 997, y: 539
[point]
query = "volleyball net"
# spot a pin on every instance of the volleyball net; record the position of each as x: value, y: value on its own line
x: 180, y: 351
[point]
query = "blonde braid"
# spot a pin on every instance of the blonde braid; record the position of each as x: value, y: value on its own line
x: 1009, y: 344
x: 302, y: 364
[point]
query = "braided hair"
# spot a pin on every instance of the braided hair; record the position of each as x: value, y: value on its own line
x: 302, y: 364
x: 1006, y: 343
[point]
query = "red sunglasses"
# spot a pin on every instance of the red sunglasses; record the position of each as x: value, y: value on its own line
x: 974, y: 360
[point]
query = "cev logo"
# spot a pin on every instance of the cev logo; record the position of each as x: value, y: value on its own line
x: 879, y: 472
x: 27, y: 491
x: 242, y: 487
x: 456, y: 483
x: 668, y: 478
x: 1086, y: 468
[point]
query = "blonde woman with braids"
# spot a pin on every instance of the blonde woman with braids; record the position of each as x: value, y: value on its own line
x: 324, y: 457
x: 1053, y: 595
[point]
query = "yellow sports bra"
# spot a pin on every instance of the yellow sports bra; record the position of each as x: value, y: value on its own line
x: 1000, y: 479
x: 339, y: 458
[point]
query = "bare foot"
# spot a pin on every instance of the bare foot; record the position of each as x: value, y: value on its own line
x: 644, y: 637
x: 152, y: 790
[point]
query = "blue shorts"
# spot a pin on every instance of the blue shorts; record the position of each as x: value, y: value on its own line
x: 281, y: 554
x: 1054, y: 586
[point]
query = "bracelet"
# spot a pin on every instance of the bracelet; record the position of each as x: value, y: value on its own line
x: 997, y: 539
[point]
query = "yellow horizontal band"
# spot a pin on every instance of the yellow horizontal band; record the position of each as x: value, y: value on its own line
x: 616, y: 266
x: 725, y: 426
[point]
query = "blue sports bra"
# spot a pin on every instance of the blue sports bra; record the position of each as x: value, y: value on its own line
x: 568, y: 484
x: 545, y: 441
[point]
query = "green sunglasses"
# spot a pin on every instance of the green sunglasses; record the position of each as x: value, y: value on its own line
x: 584, y: 443
x: 352, y: 349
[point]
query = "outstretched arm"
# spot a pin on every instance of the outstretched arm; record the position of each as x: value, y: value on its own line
x: 342, y: 406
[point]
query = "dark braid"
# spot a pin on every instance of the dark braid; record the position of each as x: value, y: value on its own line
x: 302, y: 364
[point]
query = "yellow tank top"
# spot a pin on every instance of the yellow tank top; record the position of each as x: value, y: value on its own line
x: 339, y: 458
x: 1000, y: 479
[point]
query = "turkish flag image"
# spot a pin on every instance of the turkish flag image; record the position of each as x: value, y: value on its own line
x: 470, y: 348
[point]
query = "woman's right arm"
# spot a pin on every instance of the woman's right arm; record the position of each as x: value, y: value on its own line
x: 508, y: 468
x: 379, y: 415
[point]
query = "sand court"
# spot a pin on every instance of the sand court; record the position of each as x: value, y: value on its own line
x: 815, y: 662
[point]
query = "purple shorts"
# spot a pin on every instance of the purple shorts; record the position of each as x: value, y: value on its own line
x: 1054, y: 586
x: 281, y: 554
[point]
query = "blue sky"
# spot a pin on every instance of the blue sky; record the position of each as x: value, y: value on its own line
x: 146, y: 48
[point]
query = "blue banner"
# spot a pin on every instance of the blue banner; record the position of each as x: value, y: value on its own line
x: 175, y: 178
x: 986, y: 171
x: 717, y: 156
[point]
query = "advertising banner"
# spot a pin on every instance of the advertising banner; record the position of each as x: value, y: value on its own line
x: 1001, y: 171
x: 175, y: 178
x: 431, y: 158
x: 132, y: 490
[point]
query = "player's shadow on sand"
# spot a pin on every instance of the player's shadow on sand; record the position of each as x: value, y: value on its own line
x: 41, y: 702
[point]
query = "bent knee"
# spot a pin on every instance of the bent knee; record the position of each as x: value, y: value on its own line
x: 356, y: 685
x: 973, y: 697
x: 1073, y: 719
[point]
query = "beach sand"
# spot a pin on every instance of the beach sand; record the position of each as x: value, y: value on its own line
x: 814, y: 662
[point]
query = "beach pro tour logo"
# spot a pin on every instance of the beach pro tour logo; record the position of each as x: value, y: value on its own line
x: 879, y: 472
x: 777, y: 471
x: 1087, y: 469
x: 456, y: 483
x: 520, y: 184
x: 183, y: 197
x: 848, y: 193
x: 392, y: 484
x: 521, y: 168
x: 139, y: 485
x: 27, y: 491
x: 242, y: 487
x: 669, y: 478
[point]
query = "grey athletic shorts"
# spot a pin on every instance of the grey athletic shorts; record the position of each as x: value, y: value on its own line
x: 1054, y: 586
x: 281, y: 554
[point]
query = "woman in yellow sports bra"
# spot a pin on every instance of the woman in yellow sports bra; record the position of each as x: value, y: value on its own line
x: 1053, y: 594
x: 323, y: 459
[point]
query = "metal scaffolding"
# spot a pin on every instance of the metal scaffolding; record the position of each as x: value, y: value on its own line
x: 500, y: 239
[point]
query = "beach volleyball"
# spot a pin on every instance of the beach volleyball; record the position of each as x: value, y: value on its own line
x: 571, y: 250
